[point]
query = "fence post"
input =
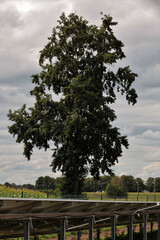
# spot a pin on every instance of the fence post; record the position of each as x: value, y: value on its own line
x: 22, y: 194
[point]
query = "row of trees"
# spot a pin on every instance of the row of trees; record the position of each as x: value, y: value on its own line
x: 128, y: 182
x: 18, y: 186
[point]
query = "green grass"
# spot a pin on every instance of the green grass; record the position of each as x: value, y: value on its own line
x: 130, y: 197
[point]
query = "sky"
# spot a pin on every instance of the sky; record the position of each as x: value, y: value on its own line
x: 24, y: 28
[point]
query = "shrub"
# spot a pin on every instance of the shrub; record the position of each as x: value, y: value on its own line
x: 112, y: 190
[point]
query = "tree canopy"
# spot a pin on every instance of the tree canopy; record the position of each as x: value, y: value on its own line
x: 116, y: 187
x: 77, y: 66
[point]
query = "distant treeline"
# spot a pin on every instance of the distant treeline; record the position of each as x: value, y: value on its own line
x: 91, y: 185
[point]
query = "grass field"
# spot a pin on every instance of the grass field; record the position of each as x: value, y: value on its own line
x: 131, y: 197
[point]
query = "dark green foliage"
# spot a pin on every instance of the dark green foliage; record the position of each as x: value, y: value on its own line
x: 7, y: 184
x: 89, y: 185
x: 77, y: 66
x: 104, y: 181
x: 92, y: 185
x: 140, y: 185
x: 113, y: 190
x: 116, y: 188
x: 13, y: 185
x: 129, y: 182
x: 157, y: 184
x: 29, y: 186
x: 45, y: 183
x: 150, y: 184
x: 39, y: 184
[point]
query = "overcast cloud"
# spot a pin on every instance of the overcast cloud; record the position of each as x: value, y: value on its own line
x: 24, y: 28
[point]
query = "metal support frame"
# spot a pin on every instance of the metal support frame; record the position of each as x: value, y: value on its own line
x: 98, y: 234
x: 113, y: 228
x: 78, y: 235
x: 62, y: 229
x: 35, y: 238
x: 145, y: 227
x: 158, y: 226
x: 151, y: 224
x: 130, y: 232
x: 26, y: 230
x: 91, y: 222
x: 140, y: 227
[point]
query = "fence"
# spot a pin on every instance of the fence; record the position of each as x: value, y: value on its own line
x: 130, y: 197
x: 7, y: 192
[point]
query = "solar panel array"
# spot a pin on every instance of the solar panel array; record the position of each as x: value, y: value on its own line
x: 45, y: 215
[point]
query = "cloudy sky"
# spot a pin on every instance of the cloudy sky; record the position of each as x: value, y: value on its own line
x: 24, y: 29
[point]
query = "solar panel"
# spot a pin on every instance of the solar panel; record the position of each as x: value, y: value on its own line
x: 45, y: 215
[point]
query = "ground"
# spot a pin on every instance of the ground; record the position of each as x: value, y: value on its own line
x: 107, y: 233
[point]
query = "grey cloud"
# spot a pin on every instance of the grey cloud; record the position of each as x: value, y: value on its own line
x: 10, y: 18
x: 150, y: 78
x: 152, y: 160
x: 19, y: 51
x: 13, y: 97
x: 91, y: 10
x: 24, y: 171
x: 138, y: 130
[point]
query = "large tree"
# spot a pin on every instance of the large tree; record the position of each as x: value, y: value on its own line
x: 77, y: 66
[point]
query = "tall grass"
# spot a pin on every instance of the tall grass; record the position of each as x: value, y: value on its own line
x: 19, y: 193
